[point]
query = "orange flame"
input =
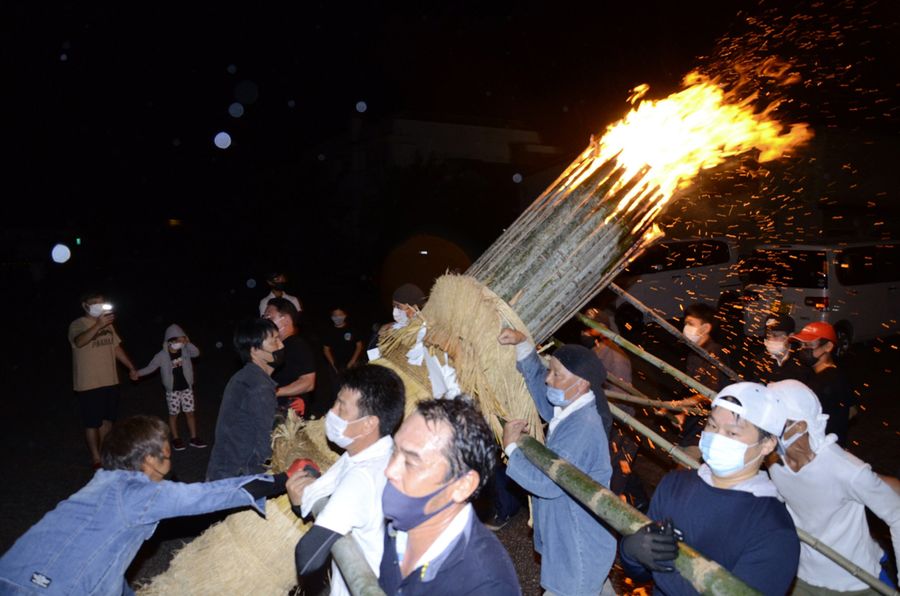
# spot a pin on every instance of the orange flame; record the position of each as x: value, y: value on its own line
x: 673, y: 139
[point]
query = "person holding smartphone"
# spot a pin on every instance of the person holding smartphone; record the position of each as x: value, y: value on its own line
x: 96, y: 347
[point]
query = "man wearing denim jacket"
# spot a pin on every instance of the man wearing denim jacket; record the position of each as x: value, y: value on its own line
x: 88, y: 541
x: 576, y: 550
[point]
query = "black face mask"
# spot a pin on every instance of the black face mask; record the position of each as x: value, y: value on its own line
x: 277, y: 358
x: 587, y: 340
x: 277, y: 286
x: 806, y: 357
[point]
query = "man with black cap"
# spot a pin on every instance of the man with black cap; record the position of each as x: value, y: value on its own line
x: 277, y: 282
x: 576, y: 550
x: 408, y: 299
x: 779, y: 364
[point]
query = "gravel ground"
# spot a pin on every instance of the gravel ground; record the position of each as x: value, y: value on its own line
x: 44, y: 443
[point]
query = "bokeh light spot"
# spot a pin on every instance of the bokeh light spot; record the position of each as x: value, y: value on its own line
x: 60, y: 253
x: 517, y: 178
x: 222, y: 140
x: 236, y: 110
x: 361, y: 106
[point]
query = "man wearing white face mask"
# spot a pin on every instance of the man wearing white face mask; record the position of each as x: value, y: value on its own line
x: 827, y: 491
x: 728, y: 509
x: 96, y: 347
x: 576, y: 550
x: 368, y: 408
x: 778, y: 363
x: 408, y: 299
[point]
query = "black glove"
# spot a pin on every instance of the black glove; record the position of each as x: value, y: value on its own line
x: 655, y: 546
x: 264, y: 488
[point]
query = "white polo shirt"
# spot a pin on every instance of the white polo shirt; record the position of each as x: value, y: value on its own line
x: 354, y: 484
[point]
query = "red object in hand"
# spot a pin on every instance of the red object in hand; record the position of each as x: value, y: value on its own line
x: 305, y: 465
x: 299, y: 406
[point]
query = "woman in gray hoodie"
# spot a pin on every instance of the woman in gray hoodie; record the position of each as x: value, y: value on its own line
x: 177, y: 373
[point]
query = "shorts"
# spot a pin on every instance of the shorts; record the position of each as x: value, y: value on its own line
x: 98, y: 405
x: 180, y: 401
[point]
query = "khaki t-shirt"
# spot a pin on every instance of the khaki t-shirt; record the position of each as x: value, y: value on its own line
x: 93, y: 365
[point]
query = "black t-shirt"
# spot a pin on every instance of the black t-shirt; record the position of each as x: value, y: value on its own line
x: 342, y: 341
x: 298, y: 361
x: 834, y: 392
x: 179, y: 383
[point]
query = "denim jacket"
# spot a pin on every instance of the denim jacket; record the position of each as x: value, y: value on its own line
x: 86, y: 543
x: 576, y: 550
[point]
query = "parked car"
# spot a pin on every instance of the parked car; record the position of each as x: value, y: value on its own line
x: 853, y: 286
x: 669, y: 275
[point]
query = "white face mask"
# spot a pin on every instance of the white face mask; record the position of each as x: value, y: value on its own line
x: 338, y: 320
x: 724, y: 455
x: 784, y: 444
x: 400, y: 316
x: 776, y: 347
x: 692, y: 333
x: 335, y: 427
x: 176, y: 346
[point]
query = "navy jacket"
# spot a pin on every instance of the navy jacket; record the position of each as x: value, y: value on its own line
x: 752, y: 537
x: 475, y: 564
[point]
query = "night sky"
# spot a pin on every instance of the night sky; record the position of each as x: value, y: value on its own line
x: 112, y: 111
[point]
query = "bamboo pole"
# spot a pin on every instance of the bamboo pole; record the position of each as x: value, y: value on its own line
x: 668, y: 447
x: 657, y: 362
x: 705, y: 575
x: 729, y: 372
x: 358, y: 576
x: 655, y: 403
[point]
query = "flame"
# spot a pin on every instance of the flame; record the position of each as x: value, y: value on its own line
x: 663, y: 144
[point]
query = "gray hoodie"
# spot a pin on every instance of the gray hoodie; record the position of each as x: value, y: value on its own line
x: 163, y: 360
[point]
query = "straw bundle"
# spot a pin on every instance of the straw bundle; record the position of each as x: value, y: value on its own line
x: 246, y: 554
x: 463, y: 318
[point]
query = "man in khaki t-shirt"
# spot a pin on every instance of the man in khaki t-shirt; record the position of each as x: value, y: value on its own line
x: 95, y: 350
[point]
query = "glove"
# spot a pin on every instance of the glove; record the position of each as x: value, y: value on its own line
x: 655, y: 546
x: 299, y: 406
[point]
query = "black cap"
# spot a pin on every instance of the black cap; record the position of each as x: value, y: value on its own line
x: 409, y: 294
x: 780, y: 322
x: 583, y: 363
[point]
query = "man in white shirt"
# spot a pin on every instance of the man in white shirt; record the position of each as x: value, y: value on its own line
x: 368, y: 408
x: 277, y: 282
x: 827, y: 490
x: 434, y: 544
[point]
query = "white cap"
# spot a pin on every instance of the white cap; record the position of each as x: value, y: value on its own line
x: 798, y: 402
x: 758, y: 405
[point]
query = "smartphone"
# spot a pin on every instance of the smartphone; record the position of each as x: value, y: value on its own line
x: 107, y: 308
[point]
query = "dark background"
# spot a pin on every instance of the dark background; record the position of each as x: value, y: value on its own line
x: 109, y: 112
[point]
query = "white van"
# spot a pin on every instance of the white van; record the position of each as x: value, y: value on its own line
x: 669, y: 275
x: 853, y: 286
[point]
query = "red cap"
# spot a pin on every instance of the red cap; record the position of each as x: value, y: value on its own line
x: 816, y: 330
